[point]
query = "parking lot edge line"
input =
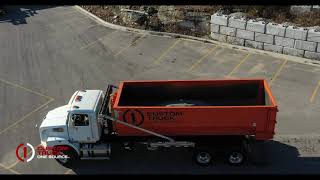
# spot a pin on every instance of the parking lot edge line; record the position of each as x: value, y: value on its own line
x: 157, y: 61
x: 3, y: 166
x: 68, y: 171
x: 92, y: 43
x: 123, y: 49
x: 278, y: 71
x: 26, y: 89
x: 25, y: 116
x: 15, y: 163
x: 201, y: 59
x: 315, y: 92
x: 11, y: 170
x: 14, y: 171
x: 237, y: 67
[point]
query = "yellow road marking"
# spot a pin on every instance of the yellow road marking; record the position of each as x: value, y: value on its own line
x: 11, y: 170
x: 237, y: 67
x: 25, y: 116
x: 67, y: 172
x: 26, y: 89
x: 205, y: 49
x: 123, y: 49
x: 92, y: 26
x: 92, y: 43
x: 315, y: 92
x: 278, y: 72
x: 157, y: 61
x: 202, y: 58
x: 15, y: 163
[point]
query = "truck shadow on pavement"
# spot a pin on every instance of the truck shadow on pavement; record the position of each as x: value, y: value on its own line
x: 17, y: 15
x: 278, y: 158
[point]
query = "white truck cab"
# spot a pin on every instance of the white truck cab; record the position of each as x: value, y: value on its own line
x: 74, y: 123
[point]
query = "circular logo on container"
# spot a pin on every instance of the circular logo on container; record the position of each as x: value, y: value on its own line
x: 134, y: 117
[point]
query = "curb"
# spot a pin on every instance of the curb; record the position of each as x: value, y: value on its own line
x: 221, y: 44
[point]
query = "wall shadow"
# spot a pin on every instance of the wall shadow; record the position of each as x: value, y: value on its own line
x: 17, y: 15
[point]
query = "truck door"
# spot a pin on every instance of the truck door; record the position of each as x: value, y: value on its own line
x: 80, y: 128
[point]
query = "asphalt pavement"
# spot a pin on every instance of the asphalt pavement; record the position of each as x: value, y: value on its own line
x: 48, y: 52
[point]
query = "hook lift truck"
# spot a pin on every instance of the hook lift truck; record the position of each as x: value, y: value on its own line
x: 209, y: 117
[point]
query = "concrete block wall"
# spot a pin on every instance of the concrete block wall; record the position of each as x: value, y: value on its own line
x: 290, y: 40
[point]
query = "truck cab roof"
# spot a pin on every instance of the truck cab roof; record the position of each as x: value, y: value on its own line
x: 84, y: 100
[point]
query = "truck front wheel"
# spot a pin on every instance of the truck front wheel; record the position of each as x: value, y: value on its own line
x: 70, y: 157
x: 202, y: 157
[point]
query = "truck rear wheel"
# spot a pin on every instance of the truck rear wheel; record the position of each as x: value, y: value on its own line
x: 235, y: 157
x: 72, y: 157
x: 202, y: 157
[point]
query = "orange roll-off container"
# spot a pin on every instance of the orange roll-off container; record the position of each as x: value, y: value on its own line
x: 196, y: 107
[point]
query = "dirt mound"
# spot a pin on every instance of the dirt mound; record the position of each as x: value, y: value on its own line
x: 195, y: 20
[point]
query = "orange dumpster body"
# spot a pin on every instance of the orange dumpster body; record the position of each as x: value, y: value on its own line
x: 196, y: 108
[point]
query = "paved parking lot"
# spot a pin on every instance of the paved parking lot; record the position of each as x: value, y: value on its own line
x: 47, y: 53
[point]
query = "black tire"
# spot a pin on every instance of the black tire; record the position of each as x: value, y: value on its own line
x: 235, y: 157
x: 69, y: 162
x: 202, y: 157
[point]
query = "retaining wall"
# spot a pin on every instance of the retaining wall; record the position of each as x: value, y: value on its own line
x: 279, y: 38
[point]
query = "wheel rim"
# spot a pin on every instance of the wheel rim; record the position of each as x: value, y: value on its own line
x: 203, y: 158
x: 63, y: 160
x: 235, y: 158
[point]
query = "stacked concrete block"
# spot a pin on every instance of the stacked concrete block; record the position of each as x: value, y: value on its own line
x: 219, y: 37
x: 215, y: 28
x: 253, y: 44
x: 266, y: 38
x: 237, y: 22
x: 312, y: 55
x: 290, y: 40
x: 282, y: 41
x: 256, y: 26
x: 313, y: 35
x: 219, y: 19
x: 235, y: 41
x: 293, y: 52
x: 273, y: 48
x: 244, y: 34
x: 300, y: 10
x: 305, y: 45
x: 228, y: 31
x: 296, y: 33
x: 275, y: 29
